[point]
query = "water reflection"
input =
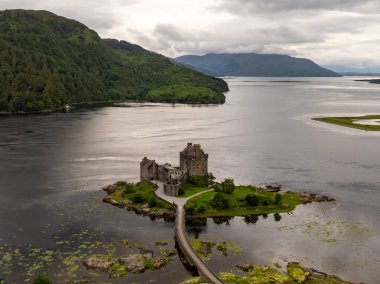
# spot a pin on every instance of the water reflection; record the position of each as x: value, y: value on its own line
x: 48, y: 163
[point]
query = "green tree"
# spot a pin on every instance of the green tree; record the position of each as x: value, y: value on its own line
x: 138, y: 198
x: 220, y: 201
x: 190, y: 210
x: 152, y: 202
x: 228, y: 186
x: 202, y: 209
x: 252, y: 199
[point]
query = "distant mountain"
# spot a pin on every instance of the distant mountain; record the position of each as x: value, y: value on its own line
x: 366, y: 74
x: 47, y: 61
x: 201, y: 70
x: 256, y: 65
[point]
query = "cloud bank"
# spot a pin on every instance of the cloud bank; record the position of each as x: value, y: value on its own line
x: 331, y: 32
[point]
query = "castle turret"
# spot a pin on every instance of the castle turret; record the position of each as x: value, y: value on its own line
x: 194, y: 160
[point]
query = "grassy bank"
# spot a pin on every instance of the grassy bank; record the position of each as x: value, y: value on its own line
x: 138, y: 194
x: 237, y: 205
x: 350, y: 122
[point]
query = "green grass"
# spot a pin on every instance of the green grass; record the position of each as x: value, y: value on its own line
x: 349, y: 122
x: 239, y: 207
x: 145, y: 189
x: 193, y: 190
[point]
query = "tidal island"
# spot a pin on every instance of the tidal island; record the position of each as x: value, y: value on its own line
x: 164, y: 186
x: 189, y: 191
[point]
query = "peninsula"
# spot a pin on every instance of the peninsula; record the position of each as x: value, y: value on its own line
x: 48, y: 62
x: 366, y: 122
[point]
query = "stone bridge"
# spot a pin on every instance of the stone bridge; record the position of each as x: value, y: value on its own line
x: 180, y: 234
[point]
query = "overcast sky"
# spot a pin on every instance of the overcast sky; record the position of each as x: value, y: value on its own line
x: 330, y: 32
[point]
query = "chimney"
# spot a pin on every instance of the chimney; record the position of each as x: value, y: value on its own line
x: 189, y: 144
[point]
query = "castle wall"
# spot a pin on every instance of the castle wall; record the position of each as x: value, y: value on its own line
x: 172, y: 189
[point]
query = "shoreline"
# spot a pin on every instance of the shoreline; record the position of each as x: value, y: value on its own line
x: 309, y: 119
x: 144, y: 209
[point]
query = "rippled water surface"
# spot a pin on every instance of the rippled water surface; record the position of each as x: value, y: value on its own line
x: 52, y: 168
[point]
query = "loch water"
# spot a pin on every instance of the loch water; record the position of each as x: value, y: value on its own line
x: 52, y: 169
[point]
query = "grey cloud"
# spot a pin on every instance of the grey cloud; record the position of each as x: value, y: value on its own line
x: 265, y: 6
x: 170, y: 32
x: 99, y: 16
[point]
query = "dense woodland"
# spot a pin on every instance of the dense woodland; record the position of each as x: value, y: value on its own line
x: 47, y: 61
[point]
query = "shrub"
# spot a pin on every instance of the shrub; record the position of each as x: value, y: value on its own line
x: 181, y: 191
x: 129, y: 188
x: 265, y: 202
x: 138, y: 198
x: 277, y: 198
x: 219, y: 201
x: 189, y: 210
x: 201, y: 209
x: 42, y: 279
x: 228, y: 186
x: 217, y: 187
x: 252, y: 200
x: 152, y: 202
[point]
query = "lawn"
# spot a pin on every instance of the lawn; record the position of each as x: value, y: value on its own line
x: 349, y: 122
x: 144, y: 189
x: 238, y: 205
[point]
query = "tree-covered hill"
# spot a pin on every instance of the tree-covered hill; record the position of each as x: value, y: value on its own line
x: 47, y: 61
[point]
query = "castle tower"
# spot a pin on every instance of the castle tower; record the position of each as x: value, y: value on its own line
x: 148, y: 170
x: 194, y: 160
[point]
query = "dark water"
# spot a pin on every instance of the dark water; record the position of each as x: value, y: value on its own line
x: 53, y: 166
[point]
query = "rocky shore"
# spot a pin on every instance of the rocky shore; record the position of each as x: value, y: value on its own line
x: 143, y: 209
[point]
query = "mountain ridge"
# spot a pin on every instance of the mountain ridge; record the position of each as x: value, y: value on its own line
x: 256, y: 65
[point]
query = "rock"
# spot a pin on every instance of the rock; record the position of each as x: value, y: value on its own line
x: 159, y: 262
x: 273, y: 187
x: 205, y: 248
x: 168, y: 252
x: 147, y: 254
x: 98, y: 263
x: 134, y: 263
x: 108, y: 199
x: 110, y: 188
x: 245, y: 266
x: 161, y: 243
x: 145, y: 209
x: 123, y: 203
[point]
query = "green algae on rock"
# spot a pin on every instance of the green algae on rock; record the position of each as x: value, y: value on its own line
x: 265, y: 274
x: 204, y: 248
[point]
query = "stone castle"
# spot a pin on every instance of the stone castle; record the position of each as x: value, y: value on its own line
x: 193, y: 162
